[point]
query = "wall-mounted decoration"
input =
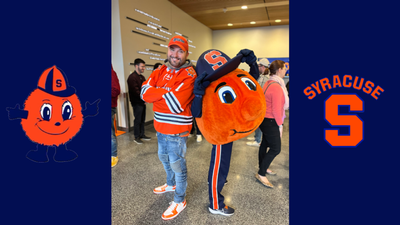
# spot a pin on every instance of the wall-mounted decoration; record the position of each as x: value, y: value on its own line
x: 182, y: 35
x: 151, y: 50
x: 152, y: 33
x: 151, y: 25
x: 149, y: 67
x: 166, y: 46
x: 148, y: 35
x: 166, y: 32
x: 158, y: 26
x: 159, y: 59
x: 146, y: 14
x: 148, y: 53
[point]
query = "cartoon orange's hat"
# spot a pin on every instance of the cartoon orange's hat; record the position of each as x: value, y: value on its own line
x: 54, y: 82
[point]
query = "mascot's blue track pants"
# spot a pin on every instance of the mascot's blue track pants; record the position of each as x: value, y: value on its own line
x: 219, y: 168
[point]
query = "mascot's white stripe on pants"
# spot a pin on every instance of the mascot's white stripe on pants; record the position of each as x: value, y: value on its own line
x: 214, y: 184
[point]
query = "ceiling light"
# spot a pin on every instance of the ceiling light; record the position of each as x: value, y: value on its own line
x: 244, y: 7
x: 252, y: 22
x: 229, y: 24
x: 278, y: 21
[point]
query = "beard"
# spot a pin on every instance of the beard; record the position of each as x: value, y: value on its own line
x: 175, y: 61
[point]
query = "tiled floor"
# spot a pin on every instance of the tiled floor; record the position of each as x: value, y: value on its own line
x: 139, y: 171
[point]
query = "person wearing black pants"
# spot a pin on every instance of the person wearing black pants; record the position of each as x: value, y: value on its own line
x: 135, y: 81
x: 277, y: 102
x: 139, y: 111
x: 271, y: 138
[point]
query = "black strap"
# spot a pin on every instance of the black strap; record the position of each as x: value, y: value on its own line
x: 273, y: 82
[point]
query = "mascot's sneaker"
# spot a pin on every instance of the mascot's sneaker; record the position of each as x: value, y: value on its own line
x: 114, y: 161
x: 253, y: 143
x: 226, y: 211
x: 163, y: 189
x: 173, y: 210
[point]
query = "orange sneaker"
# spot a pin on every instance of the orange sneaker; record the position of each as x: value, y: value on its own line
x: 173, y: 210
x: 114, y: 161
x: 163, y: 189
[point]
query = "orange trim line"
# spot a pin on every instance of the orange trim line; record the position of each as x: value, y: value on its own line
x: 215, y: 176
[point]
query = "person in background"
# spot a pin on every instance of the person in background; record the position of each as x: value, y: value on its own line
x: 277, y: 101
x: 170, y: 89
x: 199, y: 137
x: 156, y: 66
x: 135, y: 81
x: 115, y: 91
x: 263, y: 65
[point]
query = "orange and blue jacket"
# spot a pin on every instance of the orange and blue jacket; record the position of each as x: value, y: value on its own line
x: 171, y: 92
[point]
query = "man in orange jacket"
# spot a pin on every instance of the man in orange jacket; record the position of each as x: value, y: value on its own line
x: 170, y: 89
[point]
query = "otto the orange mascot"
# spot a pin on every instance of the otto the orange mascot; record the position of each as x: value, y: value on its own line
x: 229, y: 104
x: 52, y: 116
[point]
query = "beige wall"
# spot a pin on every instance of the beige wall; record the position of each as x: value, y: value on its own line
x: 271, y: 42
x: 170, y: 17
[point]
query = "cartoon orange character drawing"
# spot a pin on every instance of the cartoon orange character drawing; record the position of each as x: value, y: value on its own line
x: 52, y: 116
x: 229, y: 104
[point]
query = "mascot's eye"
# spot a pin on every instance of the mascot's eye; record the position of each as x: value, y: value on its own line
x: 249, y: 83
x: 226, y: 95
x: 45, y: 111
x: 66, y: 110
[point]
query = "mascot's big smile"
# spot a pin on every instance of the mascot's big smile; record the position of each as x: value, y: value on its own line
x: 242, y: 132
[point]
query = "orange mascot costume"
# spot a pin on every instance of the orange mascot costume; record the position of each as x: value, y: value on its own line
x: 229, y: 104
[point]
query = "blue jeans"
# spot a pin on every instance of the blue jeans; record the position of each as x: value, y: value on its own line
x: 172, y: 152
x: 257, y: 135
x: 114, y: 143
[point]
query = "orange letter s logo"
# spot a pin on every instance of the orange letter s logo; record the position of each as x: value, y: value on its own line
x: 215, y: 58
x: 354, y: 123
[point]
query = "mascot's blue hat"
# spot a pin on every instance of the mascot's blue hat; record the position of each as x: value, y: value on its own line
x: 216, y: 64
x: 54, y: 82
